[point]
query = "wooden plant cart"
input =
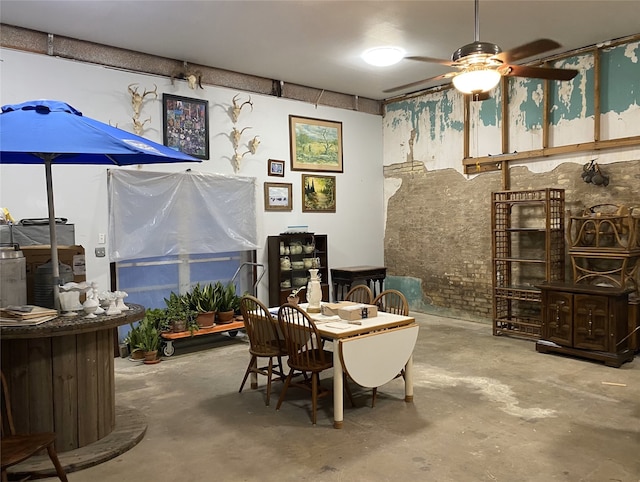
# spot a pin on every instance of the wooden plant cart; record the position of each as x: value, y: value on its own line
x: 230, y: 328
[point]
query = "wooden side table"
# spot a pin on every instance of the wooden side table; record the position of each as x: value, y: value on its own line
x: 61, y: 376
x: 343, y: 278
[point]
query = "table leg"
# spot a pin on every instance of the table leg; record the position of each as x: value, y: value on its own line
x: 338, y: 415
x: 408, y: 380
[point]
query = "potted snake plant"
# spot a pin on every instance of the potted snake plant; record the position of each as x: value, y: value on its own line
x: 149, y: 341
x: 228, y: 302
x: 204, y: 300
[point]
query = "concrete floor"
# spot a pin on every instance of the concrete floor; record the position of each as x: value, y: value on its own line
x: 486, y: 409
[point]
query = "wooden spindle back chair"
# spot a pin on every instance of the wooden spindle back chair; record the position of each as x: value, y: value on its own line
x: 306, y: 353
x: 392, y: 301
x: 264, y: 342
x: 17, y: 448
x: 360, y: 294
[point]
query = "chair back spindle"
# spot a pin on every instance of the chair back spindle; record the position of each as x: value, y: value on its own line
x: 392, y: 301
x: 360, y: 294
x: 303, y: 342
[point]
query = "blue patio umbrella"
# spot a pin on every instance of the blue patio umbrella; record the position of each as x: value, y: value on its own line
x: 53, y: 132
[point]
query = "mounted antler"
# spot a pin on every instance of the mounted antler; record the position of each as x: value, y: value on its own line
x: 237, y: 108
x: 236, y: 135
x: 193, y: 77
x: 139, y: 126
x: 237, y: 157
x: 253, y: 144
x: 137, y: 99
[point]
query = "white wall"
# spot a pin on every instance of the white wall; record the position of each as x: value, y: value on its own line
x: 355, y: 231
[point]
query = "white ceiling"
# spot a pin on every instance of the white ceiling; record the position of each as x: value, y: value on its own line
x: 318, y: 43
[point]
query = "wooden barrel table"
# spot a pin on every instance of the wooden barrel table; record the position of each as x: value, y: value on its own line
x: 61, y: 376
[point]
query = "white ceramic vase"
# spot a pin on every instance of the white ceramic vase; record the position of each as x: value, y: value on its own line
x: 314, y: 292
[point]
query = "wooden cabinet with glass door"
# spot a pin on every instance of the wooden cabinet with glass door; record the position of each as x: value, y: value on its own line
x: 290, y: 256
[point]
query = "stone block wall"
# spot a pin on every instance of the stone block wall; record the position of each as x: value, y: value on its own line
x: 438, y: 231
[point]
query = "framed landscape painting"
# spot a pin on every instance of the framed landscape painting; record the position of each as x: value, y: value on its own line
x: 277, y: 196
x: 318, y: 194
x: 316, y: 145
x: 186, y: 125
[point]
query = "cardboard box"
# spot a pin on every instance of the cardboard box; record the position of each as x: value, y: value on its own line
x: 358, y: 312
x: 331, y: 309
x: 40, y: 254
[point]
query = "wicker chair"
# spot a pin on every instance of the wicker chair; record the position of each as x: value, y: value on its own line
x: 264, y: 342
x: 306, y: 353
x: 390, y: 301
x: 18, y: 448
x: 360, y: 294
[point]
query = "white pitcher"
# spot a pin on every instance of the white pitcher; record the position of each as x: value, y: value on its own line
x: 314, y: 292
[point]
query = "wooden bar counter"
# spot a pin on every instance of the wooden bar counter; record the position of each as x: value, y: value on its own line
x: 61, y: 376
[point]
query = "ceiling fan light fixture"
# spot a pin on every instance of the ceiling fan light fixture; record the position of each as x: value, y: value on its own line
x: 383, y: 56
x: 476, y: 80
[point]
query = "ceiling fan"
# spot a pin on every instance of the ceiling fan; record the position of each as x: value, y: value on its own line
x: 482, y: 64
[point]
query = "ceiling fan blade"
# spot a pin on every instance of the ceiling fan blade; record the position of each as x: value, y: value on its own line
x: 538, y: 72
x: 527, y: 50
x: 420, y: 82
x: 431, y: 60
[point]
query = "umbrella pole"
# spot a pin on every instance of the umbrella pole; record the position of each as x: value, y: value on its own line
x: 55, y: 268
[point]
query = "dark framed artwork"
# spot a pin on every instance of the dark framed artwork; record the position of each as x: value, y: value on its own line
x: 318, y: 194
x: 315, y: 144
x: 275, y: 168
x: 185, y: 124
x: 278, y: 196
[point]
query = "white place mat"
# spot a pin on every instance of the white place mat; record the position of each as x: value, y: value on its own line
x: 321, y: 319
x: 338, y: 326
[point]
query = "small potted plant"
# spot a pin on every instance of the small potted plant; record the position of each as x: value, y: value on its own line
x: 180, y: 314
x: 158, y: 317
x: 228, y: 302
x: 293, y: 297
x: 149, y: 340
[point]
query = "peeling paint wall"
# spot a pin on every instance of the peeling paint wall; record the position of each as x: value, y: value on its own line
x: 438, y: 220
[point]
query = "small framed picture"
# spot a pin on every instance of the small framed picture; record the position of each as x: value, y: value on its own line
x: 318, y: 194
x: 277, y: 196
x: 276, y: 168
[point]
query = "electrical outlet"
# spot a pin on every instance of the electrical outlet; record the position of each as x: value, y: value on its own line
x: 102, y: 238
x: 100, y: 253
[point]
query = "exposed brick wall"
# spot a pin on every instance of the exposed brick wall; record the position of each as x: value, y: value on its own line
x: 439, y: 227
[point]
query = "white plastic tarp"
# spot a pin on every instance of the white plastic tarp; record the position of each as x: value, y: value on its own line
x: 159, y: 214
